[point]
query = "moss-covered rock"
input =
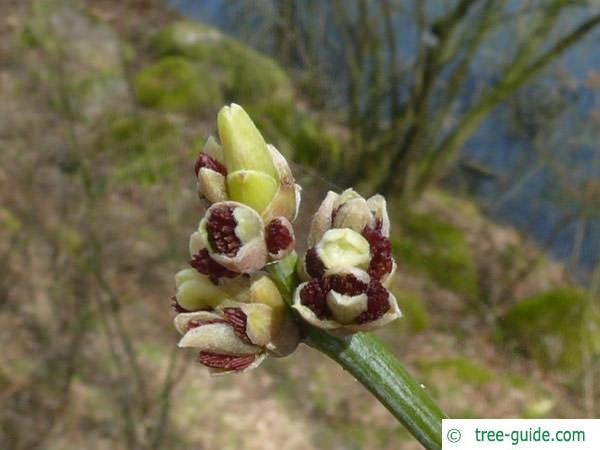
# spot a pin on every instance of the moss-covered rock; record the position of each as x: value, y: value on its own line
x: 66, y: 35
x: 257, y: 78
x: 176, y: 84
x: 437, y: 249
x: 556, y: 327
x: 186, y: 38
x: 239, y: 74
x: 143, y: 147
x: 247, y: 76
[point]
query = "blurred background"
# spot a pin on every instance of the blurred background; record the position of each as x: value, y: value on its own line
x: 479, y: 119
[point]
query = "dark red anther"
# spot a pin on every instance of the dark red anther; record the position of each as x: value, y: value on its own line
x: 209, y: 162
x: 381, y: 252
x: 238, y: 321
x: 225, y: 362
x: 313, y: 297
x: 314, y: 266
x: 346, y: 284
x: 204, y: 264
x: 378, y: 303
x: 221, y: 231
x: 195, y: 323
x: 278, y: 236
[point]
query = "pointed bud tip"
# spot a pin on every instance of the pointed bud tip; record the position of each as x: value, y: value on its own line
x: 243, y: 145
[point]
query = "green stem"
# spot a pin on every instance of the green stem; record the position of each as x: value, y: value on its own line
x: 374, y: 366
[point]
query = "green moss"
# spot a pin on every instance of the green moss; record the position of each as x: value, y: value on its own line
x: 426, y: 245
x: 64, y: 36
x: 143, y: 147
x: 176, y: 84
x: 257, y: 78
x: 554, y: 327
x: 464, y: 369
x: 8, y: 221
x: 246, y: 75
x: 185, y: 38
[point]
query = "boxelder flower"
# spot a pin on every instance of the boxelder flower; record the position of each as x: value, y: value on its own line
x: 350, y: 231
x: 254, y: 199
x: 231, y: 235
x: 346, y: 300
x: 347, y: 266
x: 235, y: 325
x: 227, y: 306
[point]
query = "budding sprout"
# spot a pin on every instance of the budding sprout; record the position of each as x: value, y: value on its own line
x: 347, y: 266
x: 228, y: 309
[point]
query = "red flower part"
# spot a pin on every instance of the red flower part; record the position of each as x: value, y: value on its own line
x: 238, y: 320
x: 381, y: 252
x: 195, y: 323
x: 209, y: 162
x: 334, y: 214
x: 314, y: 266
x: 220, y: 227
x: 203, y: 263
x: 313, y: 297
x: 225, y: 362
x: 344, y: 284
x: 377, y: 303
x: 278, y: 236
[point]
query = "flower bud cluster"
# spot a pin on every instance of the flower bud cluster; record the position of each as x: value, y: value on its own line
x: 233, y: 325
x: 229, y: 309
x: 254, y: 200
x: 348, y: 266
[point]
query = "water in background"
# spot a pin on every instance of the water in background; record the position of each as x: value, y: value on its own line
x: 525, y: 206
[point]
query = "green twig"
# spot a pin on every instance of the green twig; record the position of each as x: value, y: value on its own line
x: 374, y: 366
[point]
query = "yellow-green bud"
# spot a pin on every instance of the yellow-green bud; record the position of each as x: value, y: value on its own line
x: 236, y: 324
x: 244, y: 148
x: 343, y: 247
x: 252, y: 177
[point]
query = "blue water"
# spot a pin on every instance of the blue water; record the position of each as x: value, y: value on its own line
x: 529, y: 208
